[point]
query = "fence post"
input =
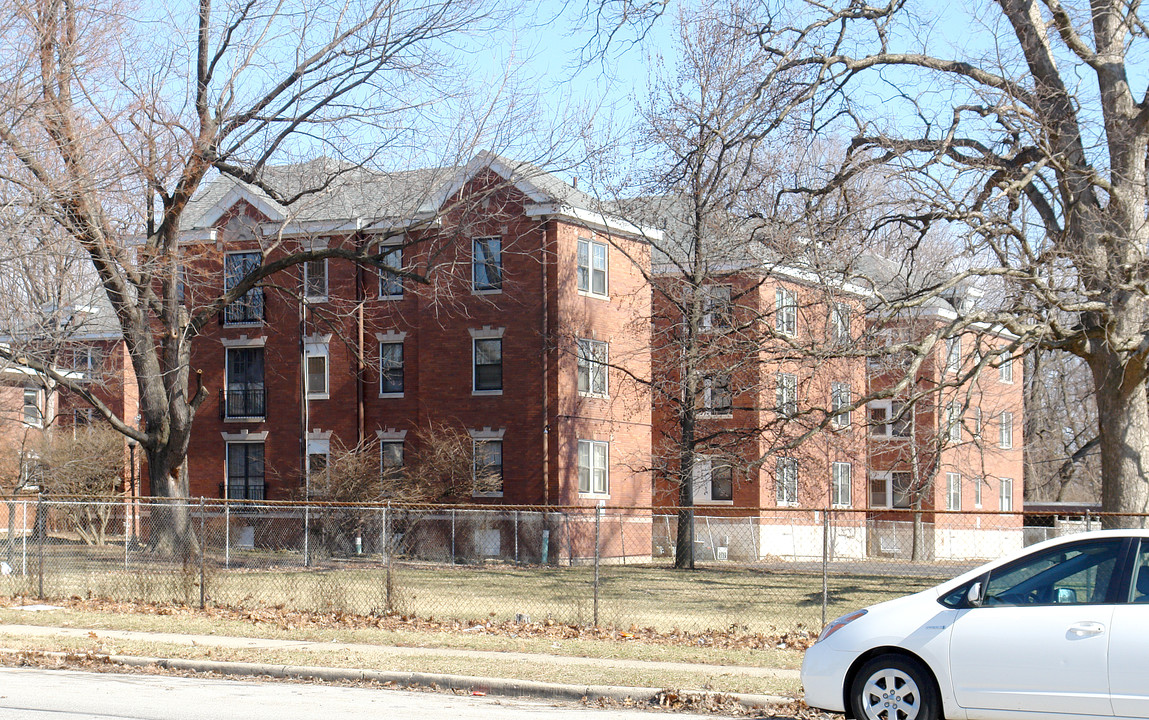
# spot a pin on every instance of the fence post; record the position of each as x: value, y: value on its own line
x: 24, y: 539
x: 597, y: 529
x: 389, y: 550
x: 307, y: 532
x: 452, y: 537
x: 825, y: 563
x: 1088, y: 521
x: 622, y: 535
x: 516, y: 536
x: 41, y: 530
x: 227, y: 534
x: 202, y: 542
x: 127, y: 529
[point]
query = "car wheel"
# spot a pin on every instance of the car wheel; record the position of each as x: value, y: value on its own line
x: 894, y: 687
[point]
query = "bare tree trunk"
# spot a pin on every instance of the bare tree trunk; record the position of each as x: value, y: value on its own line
x: 1123, y: 424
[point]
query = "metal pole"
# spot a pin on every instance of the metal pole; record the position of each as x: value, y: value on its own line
x: 24, y: 539
x: 452, y: 537
x: 597, y: 530
x: 307, y: 532
x: 389, y: 550
x: 227, y: 535
x: 516, y: 536
x: 825, y: 563
x: 202, y: 541
x: 41, y: 531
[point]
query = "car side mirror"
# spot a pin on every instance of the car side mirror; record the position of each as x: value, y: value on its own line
x: 1066, y: 596
x: 974, y: 597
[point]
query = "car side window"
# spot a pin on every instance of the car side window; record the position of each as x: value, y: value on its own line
x: 1140, y: 588
x: 1073, y: 574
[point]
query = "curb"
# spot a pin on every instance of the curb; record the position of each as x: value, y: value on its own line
x: 465, y: 683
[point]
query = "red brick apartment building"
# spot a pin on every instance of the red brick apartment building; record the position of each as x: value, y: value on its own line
x: 958, y: 450
x: 522, y: 337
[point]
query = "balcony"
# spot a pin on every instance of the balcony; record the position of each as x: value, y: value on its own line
x: 252, y: 489
x: 246, y: 310
x: 243, y: 404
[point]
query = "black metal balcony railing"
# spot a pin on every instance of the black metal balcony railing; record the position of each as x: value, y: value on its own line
x: 247, y: 309
x: 250, y: 489
x: 243, y: 403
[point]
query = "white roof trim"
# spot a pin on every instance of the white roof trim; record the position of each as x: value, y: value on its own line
x: 595, y: 220
x: 239, y: 191
x: 199, y: 235
x: 485, y: 159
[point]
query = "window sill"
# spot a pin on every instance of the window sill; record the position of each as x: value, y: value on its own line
x: 785, y: 504
x: 390, y: 298
x: 596, y: 296
x: 715, y: 416
x: 390, y: 395
x: 486, y: 393
x: 246, y: 419
x: 244, y: 324
x: 596, y: 396
x: 487, y: 495
x: 318, y: 396
x: 841, y: 507
x: 713, y: 502
x: 315, y: 299
x: 489, y: 291
x: 593, y: 496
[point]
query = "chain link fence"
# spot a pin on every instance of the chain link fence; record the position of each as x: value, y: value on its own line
x: 753, y: 571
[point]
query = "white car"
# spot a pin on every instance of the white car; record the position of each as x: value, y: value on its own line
x: 1059, y: 630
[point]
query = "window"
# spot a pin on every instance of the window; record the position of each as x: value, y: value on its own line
x: 977, y: 483
x: 840, y: 484
x: 1005, y: 370
x: 977, y: 422
x: 245, y: 471
x: 953, y: 491
x: 1077, y: 574
x: 839, y: 403
x: 487, y: 264
x: 316, y: 464
x: 592, y: 364
x: 786, y: 394
x: 488, y: 468
x: 83, y: 416
x: 593, y: 462
x: 315, y: 280
x: 248, y: 308
x: 316, y: 356
x: 391, y: 459
x: 391, y: 368
x: 953, y: 355
x: 390, y: 284
x: 592, y: 267
x: 245, y: 395
x: 716, y: 396
x: 891, y: 490
x: 713, y: 480
x: 488, y: 355
x: 82, y: 359
x: 839, y: 322
x: 953, y: 422
x: 716, y: 309
x: 786, y: 312
x: 33, y: 414
x: 1005, y: 432
x: 786, y: 481
x: 1005, y: 500
x: 889, y: 419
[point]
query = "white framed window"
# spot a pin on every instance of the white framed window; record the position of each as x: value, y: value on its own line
x: 487, y: 469
x: 488, y: 366
x: 786, y: 481
x: 391, y: 459
x: 592, y: 267
x: 786, y: 394
x: 390, y: 284
x: 953, y: 355
x: 1005, y: 370
x: 1005, y: 499
x: 391, y: 376
x: 891, y: 489
x: 487, y: 264
x: 839, y: 322
x: 977, y: 483
x: 33, y: 407
x: 1005, y: 431
x: 716, y: 308
x: 247, y: 309
x: 785, y: 312
x: 315, y: 280
x: 953, y: 422
x: 953, y: 491
x: 316, y: 360
x: 889, y: 418
x: 840, y: 402
x: 592, y: 368
x: 841, y: 484
x: 318, y: 455
x: 244, y: 463
x: 713, y: 480
x: 593, y: 467
x: 245, y: 395
x: 717, y: 399
x: 84, y: 360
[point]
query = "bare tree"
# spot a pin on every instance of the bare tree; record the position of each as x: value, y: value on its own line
x: 111, y: 121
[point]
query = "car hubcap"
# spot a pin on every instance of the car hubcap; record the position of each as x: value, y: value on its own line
x: 891, y: 695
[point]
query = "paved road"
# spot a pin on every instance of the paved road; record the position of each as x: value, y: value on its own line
x: 31, y: 694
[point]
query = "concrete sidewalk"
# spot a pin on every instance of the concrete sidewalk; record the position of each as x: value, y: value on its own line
x: 498, y: 686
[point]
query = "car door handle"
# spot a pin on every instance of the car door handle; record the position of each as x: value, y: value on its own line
x: 1084, y: 629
